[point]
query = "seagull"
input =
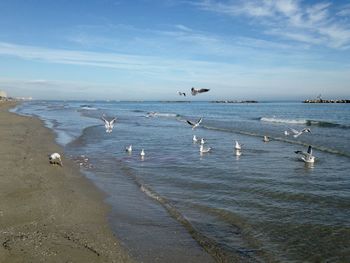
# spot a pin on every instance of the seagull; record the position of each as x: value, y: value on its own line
x: 142, y: 153
x: 151, y: 114
x: 128, y: 148
x: 266, y: 139
x: 204, y: 150
x: 109, y: 124
x: 181, y: 93
x: 202, y: 141
x: 238, y: 152
x: 307, y: 157
x: 286, y: 133
x: 297, y: 133
x: 194, y: 91
x: 194, y: 139
x: 238, y: 146
x: 194, y: 125
x: 55, y: 158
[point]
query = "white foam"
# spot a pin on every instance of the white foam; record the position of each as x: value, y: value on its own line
x: 279, y: 120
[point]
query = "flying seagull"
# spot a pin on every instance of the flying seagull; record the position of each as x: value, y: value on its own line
x: 194, y: 91
x: 194, y: 125
x: 307, y: 157
x: 181, y: 93
x: 55, y: 158
x: 297, y: 133
x: 109, y: 124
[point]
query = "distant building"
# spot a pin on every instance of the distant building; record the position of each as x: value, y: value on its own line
x: 3, y: 94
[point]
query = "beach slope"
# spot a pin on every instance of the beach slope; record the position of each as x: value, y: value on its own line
x: 47, y: 213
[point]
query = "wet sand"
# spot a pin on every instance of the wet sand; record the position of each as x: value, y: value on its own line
x: 47, y: 213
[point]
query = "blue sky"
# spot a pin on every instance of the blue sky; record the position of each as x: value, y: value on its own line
x: 150, y: 49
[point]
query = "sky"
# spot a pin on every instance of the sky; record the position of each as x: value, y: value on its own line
x: 150, y: 49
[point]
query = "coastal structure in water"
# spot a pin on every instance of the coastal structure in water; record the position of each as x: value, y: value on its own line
x: 326, y: 101
x: 320, y: 100
x: 234, y: 101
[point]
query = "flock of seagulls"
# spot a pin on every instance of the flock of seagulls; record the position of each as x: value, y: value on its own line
x: 307, y: 156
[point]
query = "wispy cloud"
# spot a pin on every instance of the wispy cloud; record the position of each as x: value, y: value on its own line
x: 291, y: 19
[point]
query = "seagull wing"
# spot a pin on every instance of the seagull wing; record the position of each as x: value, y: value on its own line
x: 294, y: 131
x: 199, y: 121
x: 309, y: 150
x: 102, y: 118
x: 203, y: 90
x: 112, y: 121
x: 190, y: 123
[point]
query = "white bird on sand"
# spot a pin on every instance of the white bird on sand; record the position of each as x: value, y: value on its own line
x: 194, y: 124
x: 238, y: 146
x: 181, y: 93
x: 109, y: 124
x: 266, y: 139
x: 297, y: 133
x: 194, y: 91
x: 142, y: 153
x: 55, y: 158
x: 128, y: 148
x: 204, y: 150
x: 307, y: 157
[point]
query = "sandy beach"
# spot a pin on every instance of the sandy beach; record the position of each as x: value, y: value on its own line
x: 47, y: 213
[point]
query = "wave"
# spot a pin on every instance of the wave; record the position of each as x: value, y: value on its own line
x: 305, y: 122
x: 279, y: 120
x: 87, y: 107
x: 161, y: 114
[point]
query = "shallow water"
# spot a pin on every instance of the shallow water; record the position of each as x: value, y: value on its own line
x: 265, y: 205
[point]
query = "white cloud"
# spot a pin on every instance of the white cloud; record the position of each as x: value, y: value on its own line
x: 292, y: 18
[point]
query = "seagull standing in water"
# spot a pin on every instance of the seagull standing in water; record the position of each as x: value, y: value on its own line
x: 109, y: 124
x: 194, y: 91
x: 266, y: 139
x: 204, y: 150
x: 194, y: 139
x: 142, y: 153
x: 238, y: 146
x: 194, y: 124
x: 297, y: 133
x: 128, y: 148
x: 307, y: 157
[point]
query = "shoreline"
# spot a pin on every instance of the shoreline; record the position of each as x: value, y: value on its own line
x: 48, y: 213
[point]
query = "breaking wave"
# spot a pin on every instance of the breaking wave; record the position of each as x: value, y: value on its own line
x: 325, y: 124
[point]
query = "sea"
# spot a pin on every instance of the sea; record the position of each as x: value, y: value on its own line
x: 175, y: 204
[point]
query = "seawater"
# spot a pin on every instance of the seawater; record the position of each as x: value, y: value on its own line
x: 262, y: 206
